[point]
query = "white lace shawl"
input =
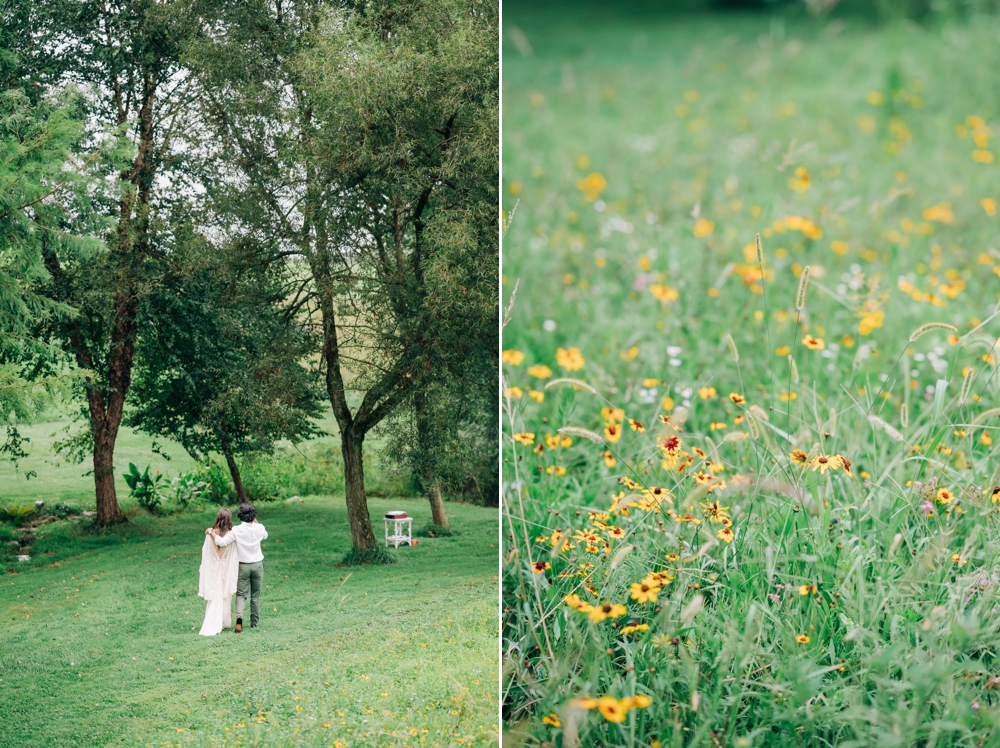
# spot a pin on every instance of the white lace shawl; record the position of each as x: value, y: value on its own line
x: 219, y: 569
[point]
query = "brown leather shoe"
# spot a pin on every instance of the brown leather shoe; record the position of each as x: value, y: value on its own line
x: 239, y: 625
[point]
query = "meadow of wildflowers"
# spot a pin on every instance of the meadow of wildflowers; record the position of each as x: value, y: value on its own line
x: 751, y: 383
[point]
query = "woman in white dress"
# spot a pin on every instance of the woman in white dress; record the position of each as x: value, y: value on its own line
x: 218, y: 574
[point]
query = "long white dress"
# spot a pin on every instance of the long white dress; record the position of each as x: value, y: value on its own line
x: 217, y: 584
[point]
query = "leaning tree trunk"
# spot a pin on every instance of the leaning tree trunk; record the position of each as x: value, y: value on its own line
x: 362, y: 535
x: 437, y: 503
x: 234, y: 471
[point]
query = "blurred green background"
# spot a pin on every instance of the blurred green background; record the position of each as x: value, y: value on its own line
x: 710, y: 114
x: 644, y: 146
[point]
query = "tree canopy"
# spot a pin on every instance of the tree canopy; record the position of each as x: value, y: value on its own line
x: 298, y: 188
x: 220, y: 367
x: 365, y: 141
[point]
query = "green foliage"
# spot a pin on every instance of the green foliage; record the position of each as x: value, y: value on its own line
x: 46, y: 199
x: 36, y: 143
x: 144, y: 488
x: 292, y: 472
x: 189, y: 488
x: 222, y: 367
x: 63, y: 510
x: 372, y: 557
x: 423, y: 290
x: 16, y: 512
x: 315, y: 471
x: 134, y: 96
x: 448, y: 434
x: 219, y: 485
x: 692, y: 133
x: 151, y: 490
x: 383, y: 126
x: 434, y: 531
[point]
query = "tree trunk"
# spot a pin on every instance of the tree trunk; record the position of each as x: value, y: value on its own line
x: 425, y: 446
x: 108, y: 511
x: 234, y: 471
x: 362, y: 535
x: 437, y: 503
x: 381, y: 399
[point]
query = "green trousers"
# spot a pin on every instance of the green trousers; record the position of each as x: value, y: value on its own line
x: 250, y: 581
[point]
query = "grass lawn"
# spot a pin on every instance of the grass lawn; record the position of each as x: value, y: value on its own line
x: 59, y: 480
x: 99, y: 644
x: 771, y: 566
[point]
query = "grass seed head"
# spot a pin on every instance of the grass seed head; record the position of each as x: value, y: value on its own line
x: 760, y: 252
x: 693, y: 608
x: 896, y: 541
x: 928, y: 326
x: 890, y: 430
x: 966, y: 386
x: 800, y: 296
x: 732, y: 347
x: 583, y: 433
x: 986, y: 415
x: 579, y: 383
x: 620, y: 555
x: 863, y: 354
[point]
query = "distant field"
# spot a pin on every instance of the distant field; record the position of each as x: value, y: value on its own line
x: 59, y: 480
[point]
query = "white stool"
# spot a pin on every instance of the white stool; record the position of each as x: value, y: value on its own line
x: 402, y: 531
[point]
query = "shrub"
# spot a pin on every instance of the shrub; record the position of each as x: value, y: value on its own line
x: 377, y: 555
x: 189, y: 488
x: 144, y: 487
x: 316, y: 471
x: 434, y: 531
x: 16, y: 512
x: 290, y: 471
x: 219, y: 485
x: 63, y: 510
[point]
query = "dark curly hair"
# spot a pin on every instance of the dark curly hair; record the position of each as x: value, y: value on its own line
x: 247, y: 513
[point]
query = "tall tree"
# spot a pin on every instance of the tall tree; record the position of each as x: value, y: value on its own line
x: 408, y: 104
x: 221, y: 366
x: 127, y: 55
x: 365, y: 140
x: 47, y: 179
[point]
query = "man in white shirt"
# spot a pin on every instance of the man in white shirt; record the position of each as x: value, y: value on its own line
x: 247, y: 537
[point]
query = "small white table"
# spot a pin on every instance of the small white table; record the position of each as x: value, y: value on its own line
x: 400, y: 533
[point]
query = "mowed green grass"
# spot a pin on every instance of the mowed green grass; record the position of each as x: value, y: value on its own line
x: 57, y: 479
x: 644, y: 153
x: 99, y: 642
